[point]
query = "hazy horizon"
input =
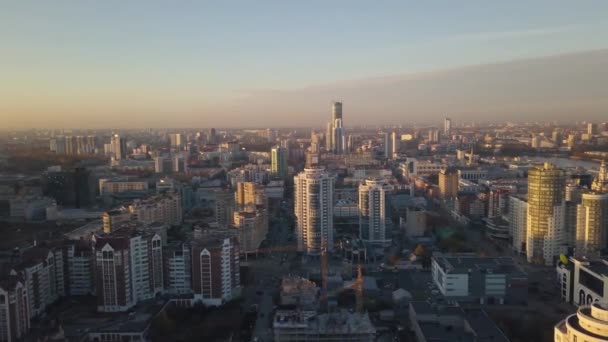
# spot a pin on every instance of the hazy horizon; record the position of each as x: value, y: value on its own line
x: 276, y: 64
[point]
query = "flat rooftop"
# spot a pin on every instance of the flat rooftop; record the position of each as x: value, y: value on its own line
x: 464, y: 263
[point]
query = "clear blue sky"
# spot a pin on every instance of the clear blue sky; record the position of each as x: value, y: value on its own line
x: 67, y: 57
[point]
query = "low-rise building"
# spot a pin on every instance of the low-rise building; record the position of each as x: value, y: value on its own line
x: 305, y: 326
x: 583, y: 281
x: 432, y: 322
x: 487, y: 280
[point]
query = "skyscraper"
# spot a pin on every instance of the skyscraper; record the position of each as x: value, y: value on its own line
x: 447, y: 127
x: 591, y: 225
x: 279, y: 157
x: 313, y: 192
x: 335, y: 130
x: 546, y: 213
x: 373, y: 204
x: 395, y: 144
x: 119, y: 147
x: 386, y: 141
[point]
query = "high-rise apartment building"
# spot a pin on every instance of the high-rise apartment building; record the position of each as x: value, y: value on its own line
x: 119, y: 147
x: 215, y: 268
x: 279, y: 166
x: 448, y: 183
x: 14, y: 311
x: 546, y: 214
x: 224, y: 208
x: 314, y: 192
x: 518, y: 221
x: 164, y: 208
x: 591, y: 225
x: 251, y: 229
x: 248, y: 195
x: 373, y: 210
x: 178, y: 268
x: 129, y: 268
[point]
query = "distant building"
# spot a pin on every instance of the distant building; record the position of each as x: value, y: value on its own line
x: 249, y: 195
x: 119, y: 147
x: 69, y: 188
x: 114, y: 218
x: 485, y: 280
x: 279, y: 166
x: 224, y: 208
x: 251, y: 229
x: 448, y: 183
x: 415, y: 225
x: 175, y: 140
x: 447, y: 126
x: 165, y: 208
x: 163, y: 165
x: 113, y: 186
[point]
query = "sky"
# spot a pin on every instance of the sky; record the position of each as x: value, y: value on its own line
x: 110, y: 64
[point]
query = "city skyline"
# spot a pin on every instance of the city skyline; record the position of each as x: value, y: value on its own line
x: 211, y: 66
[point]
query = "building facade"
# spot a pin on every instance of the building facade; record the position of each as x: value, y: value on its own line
x: 591, y: 224
x: 373, y: 211
x: 518, y: 221
x: 546, y: 214
x: 128, y: 268
x: 215, y: 268
x: 448, y: 183
x: 314, y: 200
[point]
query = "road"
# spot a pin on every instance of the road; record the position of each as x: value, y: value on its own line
x: 268, y: 271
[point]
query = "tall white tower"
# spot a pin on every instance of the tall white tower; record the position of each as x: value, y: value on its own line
x: 372, y: 210
x: 314, y: 210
